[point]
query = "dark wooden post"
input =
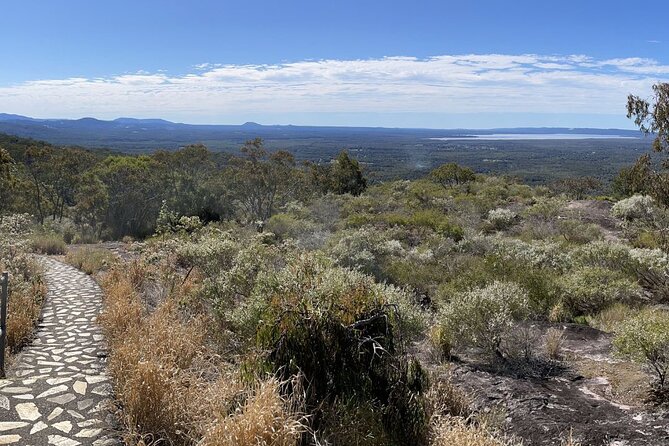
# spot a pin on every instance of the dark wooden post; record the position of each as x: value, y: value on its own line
x: 4, y: 285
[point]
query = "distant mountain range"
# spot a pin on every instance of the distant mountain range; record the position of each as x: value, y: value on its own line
x: 130, y: 134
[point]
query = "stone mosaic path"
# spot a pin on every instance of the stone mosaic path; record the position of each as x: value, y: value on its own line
x: 57, y: 392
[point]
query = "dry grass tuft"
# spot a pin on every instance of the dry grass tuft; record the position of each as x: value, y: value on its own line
x: 611, y: 318
x: 569, y: 441
x: 450, y: 431
x: 23, y: 310
x: 48, y: 243
x: 90, y: 260
x: 447, y: 399
x: 554, y: 342
x: 265, y: 418
x: 172, y: 389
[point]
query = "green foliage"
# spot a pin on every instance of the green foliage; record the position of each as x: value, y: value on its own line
x: 652, y: 118
x: 169, y: 222
x: 346, y: 335
x: 589, y: 290
x: 501, y: 219
x: 286, y: 226
x: 636, y: 207
x: 482, y: 317
x: 645, y: 338
x: 347, y: 177
x: 577, y: 232
x: 450, y: 174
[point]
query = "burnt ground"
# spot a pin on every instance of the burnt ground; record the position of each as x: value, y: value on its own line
x: 590, y: 393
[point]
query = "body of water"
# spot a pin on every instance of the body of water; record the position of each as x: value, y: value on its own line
x: 528, y: 136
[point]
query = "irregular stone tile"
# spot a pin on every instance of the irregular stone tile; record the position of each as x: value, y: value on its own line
x: 53, y: 391
x: 9, y: 439
x: 89, y: 423
x: 11, y: 425
x: 62, y: 399
x: 38, y: 427
x: 28, y: 411
x: 57, y: 440
x: 63, y: 426
x: 88, y: 433
x: 14, y: 390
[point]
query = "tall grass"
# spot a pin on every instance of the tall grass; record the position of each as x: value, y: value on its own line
x: 90, y: 260
x: 48, y: 243
x: 173, y: 388
x: 23, y: 310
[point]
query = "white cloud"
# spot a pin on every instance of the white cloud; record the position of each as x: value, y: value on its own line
x: 442, y: 84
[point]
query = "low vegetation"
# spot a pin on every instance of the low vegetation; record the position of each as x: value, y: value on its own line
x: 269, y: 302
x: 27, y: 289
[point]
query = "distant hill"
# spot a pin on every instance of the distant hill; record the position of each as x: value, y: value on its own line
x: 131, y: 134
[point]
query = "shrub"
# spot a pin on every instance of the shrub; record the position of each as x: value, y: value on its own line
x: 360, y: 249
x: 589, y: 290
x: 636, y: 207
x: 645, y: 338
x: 610, y: 318
x: 27, y: 289
x: 500, y: 219
x: 575, y: 231
x: 286, y: 226
x: 346, y: 334
x: 48, y: 243
x: 482, y: 317
x: 614, y: 256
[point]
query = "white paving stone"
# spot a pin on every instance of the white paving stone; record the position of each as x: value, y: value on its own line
x: 28, y: 411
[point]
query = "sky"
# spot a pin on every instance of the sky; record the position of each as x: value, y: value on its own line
x: 432, y: 64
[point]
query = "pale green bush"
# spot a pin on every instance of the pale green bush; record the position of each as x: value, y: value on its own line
x: 654, y: 260
x: 615, y: 256
x: 483, y: 317
x: 538, y: 254
x: 575, y: 231
x: 501, y: 219
x: 591, y: 289
x: 635, y: 207
x: 645, y: 338
x: 360, y: 249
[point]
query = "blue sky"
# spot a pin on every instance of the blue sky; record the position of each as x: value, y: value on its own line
x: 392, y: 63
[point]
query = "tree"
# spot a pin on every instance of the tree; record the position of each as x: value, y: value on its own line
x: 92, y: 200
x: 6, y: 179
x: 135, y: 194
x: 347, y: 177
x: 651, y: 117
x: 185, y: 173
x: 261, y: 181
x: 450, y: 174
